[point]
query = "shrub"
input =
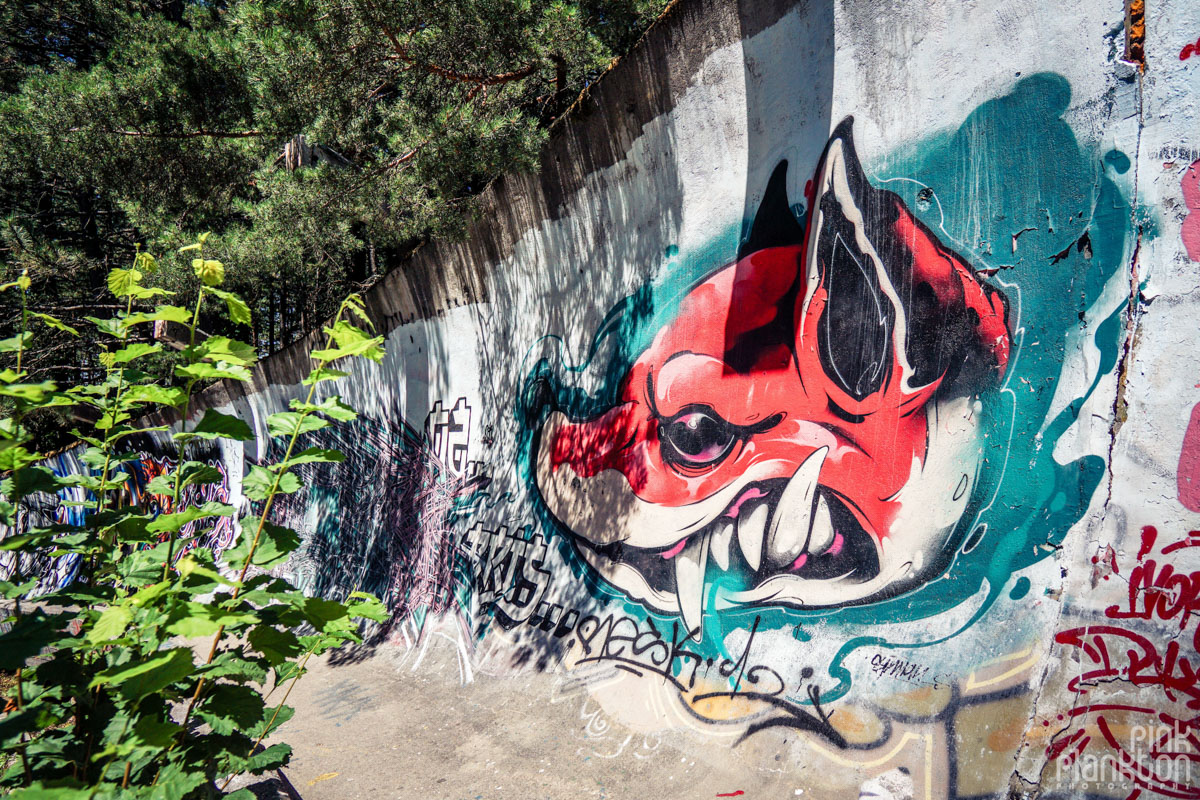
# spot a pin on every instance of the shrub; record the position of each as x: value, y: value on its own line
x: 109, y: 699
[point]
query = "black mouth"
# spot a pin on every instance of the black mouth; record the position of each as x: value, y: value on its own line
x: 850, y: 556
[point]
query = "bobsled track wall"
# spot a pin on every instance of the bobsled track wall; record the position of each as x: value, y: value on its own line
x: 835, y: 378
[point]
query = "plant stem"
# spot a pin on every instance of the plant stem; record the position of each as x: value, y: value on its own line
x: 278, y: 708
x: 262, y: 518
x: 187, y: 404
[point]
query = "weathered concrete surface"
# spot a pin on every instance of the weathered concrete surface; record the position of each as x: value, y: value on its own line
x: 375, y: 729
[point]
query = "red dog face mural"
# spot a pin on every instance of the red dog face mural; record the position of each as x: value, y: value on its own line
x: 807, y: 424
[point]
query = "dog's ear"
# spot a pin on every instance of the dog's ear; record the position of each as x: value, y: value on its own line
x: 774, y: 223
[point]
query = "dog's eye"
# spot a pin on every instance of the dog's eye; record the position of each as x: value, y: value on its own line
x: 697, y: 437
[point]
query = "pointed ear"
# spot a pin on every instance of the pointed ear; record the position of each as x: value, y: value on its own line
x: 896, y: 305
x: 774, y: 223
x: 846, y: 224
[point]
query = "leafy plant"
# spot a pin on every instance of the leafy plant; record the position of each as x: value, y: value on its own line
x: 113, y: 698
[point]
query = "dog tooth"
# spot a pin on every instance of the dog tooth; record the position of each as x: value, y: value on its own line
x: 789, y: 532
x: 750, y: 530
x: 720, y: 538
x: 821, y: 537
x: 689, y: 582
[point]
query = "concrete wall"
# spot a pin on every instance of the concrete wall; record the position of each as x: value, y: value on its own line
x: 832, y: 381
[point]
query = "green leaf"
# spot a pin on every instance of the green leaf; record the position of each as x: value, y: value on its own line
x: 222, y: 348
x: 28, y: 481
x: 239, y: 312
x: 168, y: 523
x: 134, y: 351
x: 148, y: 393
x: 291, y: 423
x: 332, y: 407
x: 275, y: 543
x: 234, y: 665
x: 310, y: 456
x: 350, y: 341
x: 218, y: 371
x: 26, y: 638
x: 215, y: 425
x: 51, y: 790
x: 273, y: 757
x: 111, y: 625
x: 276, y: 646
x: 155, y: 733
x: 257, y: 484
x: 321, y: 374
x: 229, y: 707
x: 31, y: 392
x: 15, y: 343
x: 54, y: 322
x: 367, y: 606
x: 161, y: 313
x: 196, y: 619
x: 210, y: 272
x: 145, y: 262
x: 322, y: 613
x: 147, y: 676
x: 122, y: 282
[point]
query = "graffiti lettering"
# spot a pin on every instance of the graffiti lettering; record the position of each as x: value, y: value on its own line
x: 510, y: 574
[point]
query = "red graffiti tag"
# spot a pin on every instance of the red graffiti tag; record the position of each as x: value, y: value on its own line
x: 1190, y: 49
x: 1130, y: 652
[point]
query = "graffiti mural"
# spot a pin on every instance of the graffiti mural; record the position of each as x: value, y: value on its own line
x: 809, y: 424
x: 829, y: 394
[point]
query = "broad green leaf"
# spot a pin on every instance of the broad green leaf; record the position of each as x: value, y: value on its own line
x: 215, y: 425
x: 189, y: 565
x: 197, y: 619
x: 289, y: 423
x: 148, y: 393
x: 54, y: 322
x: 272, y: 720
x: 309, y: 456
x: 133, y: 351
x: 122, y: 282
x: 277, y: 646
x: 145, y: 262
x: 239, y: 312
x: 161, y: 485
x: 222, y: 348
x: 15, y: 343
x: 367, y: 606
x: 50, y: 790
x: 234, y: 665
x: 218, y: 371
x: 332, y: 407
x: 198, y: 473
x: 275, y: 543
x: 273, y: 757
x: 31, y: 392
x: 111, y: 625
x: 164, y: 523
x: 147, y: 676
x: 27, y: 481
x: 210, y: 272
x: 257, y: 483
x: 161, y: 313
x: 321, y: 374
x: 26, y: 639
x: 149, y: 593
x: 11, y: 591
x: 111, y: 326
